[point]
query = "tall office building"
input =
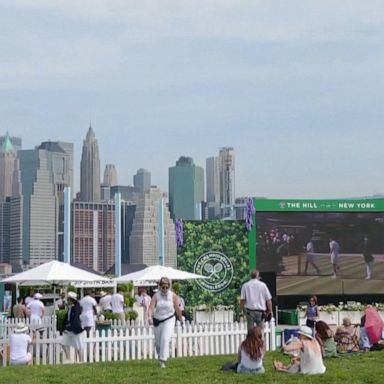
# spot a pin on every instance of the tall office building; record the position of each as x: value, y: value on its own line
x: 213, y: 187
x: 186, y: 189
x: 5, y: 232
x: 227, y: 177
x: 142, y: 180
x: 16, y: 141
x: 146, y: 242
x: 90, y: 169
x: 35, y: 215
x: 110, y: 175
x: 9, y: 178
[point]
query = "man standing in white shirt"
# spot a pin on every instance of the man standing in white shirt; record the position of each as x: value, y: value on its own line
x: 88, y: 312
x: 105, y: 302
x: 36, y: 309
x: 117, y: 303
x: 256, y: 300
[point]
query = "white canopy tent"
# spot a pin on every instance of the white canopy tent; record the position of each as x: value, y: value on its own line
x: 54, y: 272
x: 155, y: 273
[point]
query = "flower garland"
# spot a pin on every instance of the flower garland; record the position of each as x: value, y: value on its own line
x: 179, y: 232
x: 248, y: 213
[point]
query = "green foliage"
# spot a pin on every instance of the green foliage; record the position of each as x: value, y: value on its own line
x: 228, y: 237
x: 357, y: 369
x: 126, y: 288
x: 61, y: 315
x: 108, y: 315
x: 71, y: 288
x: 129, y: 300
x: 131, y: 315
x: 176, y: 288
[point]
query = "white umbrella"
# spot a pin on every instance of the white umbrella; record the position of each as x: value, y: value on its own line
x: 156, y: 272
x: 54, y: 272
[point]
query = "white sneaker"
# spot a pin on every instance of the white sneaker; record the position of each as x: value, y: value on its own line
x: 368, y: 278
x: 162, y: 364
x: 334, y: 276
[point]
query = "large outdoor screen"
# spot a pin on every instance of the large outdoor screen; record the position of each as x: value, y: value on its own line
x: 322, y: 252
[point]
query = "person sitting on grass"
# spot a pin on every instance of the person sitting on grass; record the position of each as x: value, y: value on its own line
x: 324, y: 336
x: 310, y: 361
x: 347, y: 337
x: 19, y: 342
x: 251, y: 352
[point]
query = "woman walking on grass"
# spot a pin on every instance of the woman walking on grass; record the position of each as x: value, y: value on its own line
x: 164, y: 306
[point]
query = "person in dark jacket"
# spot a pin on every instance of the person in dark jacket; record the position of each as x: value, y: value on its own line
x: 73, y: 334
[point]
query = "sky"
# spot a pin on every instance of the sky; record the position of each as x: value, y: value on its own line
x: 296, y: 87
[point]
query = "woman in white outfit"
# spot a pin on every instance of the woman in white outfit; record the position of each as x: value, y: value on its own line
x: 164, y: 306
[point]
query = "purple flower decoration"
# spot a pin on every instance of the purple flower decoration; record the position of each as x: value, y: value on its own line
x: 248, y: 213
x: 179, y: 232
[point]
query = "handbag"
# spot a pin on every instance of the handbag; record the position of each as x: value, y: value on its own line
x: 157, y: 322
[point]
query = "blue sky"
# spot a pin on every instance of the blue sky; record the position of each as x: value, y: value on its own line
x: 296, y: 87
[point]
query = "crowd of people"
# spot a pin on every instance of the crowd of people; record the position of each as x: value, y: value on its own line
x: 161, y: 310
x: 315, y: 342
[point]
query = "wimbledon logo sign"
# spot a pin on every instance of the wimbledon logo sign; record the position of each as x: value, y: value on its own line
x: 217, y: 268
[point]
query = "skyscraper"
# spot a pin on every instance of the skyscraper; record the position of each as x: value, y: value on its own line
x: 110, y: 175
x: 35, y: 216
x: 90, y: 169
x: 227, y: 177
x: 9, y: 185
x: 213, y: 187
x: 16, y: 141
x: 142, y: 180
x: 186, y: 189
x: 93, y: 234
x: 145, y: 241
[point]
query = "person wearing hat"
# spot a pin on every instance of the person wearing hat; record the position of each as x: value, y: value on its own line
x: 105, y: 302
x: 73, y: 330
x: 19, y: 342
x: 36, y: 309
x: 310, y: 360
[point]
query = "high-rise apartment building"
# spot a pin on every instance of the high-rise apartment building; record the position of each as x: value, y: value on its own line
x: 93, y: 233
x: 142, y: 180
x: 90, y: 169
x: 213, y: 187
x: 153, y: 232
x: 186, y: 189
x: 220, y: 178
x: 227, y: 177
x: 35, y: 215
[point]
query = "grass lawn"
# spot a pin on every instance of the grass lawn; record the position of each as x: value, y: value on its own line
x: 364, y: 368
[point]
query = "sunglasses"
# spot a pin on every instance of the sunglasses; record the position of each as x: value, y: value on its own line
x: 164, y: 286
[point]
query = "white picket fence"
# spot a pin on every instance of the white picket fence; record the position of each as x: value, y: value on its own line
x: 135, y: 343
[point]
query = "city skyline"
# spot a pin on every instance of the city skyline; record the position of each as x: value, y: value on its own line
x: 294, y: 88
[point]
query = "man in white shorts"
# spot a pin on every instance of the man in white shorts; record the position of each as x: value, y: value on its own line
x: 88, y: 313
x: 36, y: 309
